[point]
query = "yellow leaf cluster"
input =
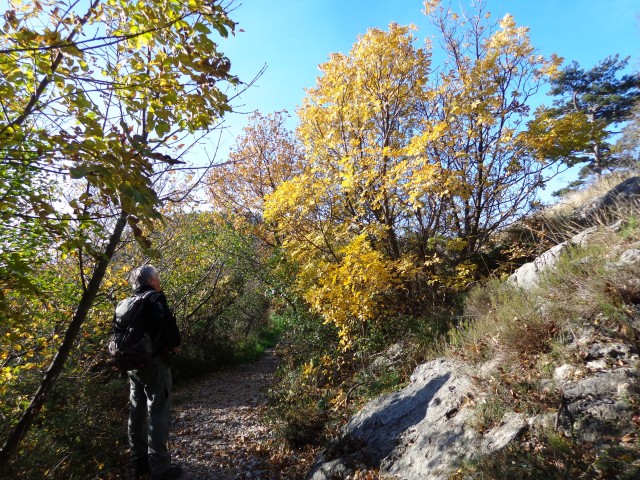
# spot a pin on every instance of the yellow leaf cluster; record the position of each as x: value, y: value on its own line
x: 348, y: 293
x: 552, y: 136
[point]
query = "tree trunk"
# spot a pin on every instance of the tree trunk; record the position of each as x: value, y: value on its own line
x: 55, y: 368
x: 597, y: 161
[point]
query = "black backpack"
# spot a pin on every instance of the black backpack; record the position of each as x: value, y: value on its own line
x: 131, y: 347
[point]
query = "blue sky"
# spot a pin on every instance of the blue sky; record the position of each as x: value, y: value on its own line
x: 292, y: 37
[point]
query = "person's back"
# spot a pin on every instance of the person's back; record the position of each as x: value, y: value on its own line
x: 131, y: 346
x: 158, y: 320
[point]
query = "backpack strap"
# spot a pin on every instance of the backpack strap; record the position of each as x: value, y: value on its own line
x: 145, y: 298
x: 141, y: 300
x: 146, y: 295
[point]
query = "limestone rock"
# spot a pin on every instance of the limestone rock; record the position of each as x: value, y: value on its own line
x: 629, y: 258
x: 527, y: 275
x: 329, y: 469
x: 511, y: 426
x: 624, y: 194
x: 563, y: 372
x: 388, y: 358
x: 599, y: 350
x: 419, y: 432
x: 596, y: 405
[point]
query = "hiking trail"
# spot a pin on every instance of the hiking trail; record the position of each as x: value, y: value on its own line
x: 219, y: 432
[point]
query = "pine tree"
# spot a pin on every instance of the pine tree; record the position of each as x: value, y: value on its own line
x: 589, y: 107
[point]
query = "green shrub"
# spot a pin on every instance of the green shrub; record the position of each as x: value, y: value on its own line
x: 81, y: 431
x: 299, y: 407
x: 320, y: 383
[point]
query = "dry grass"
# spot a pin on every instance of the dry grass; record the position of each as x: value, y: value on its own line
x: 526, y: 334
x: 548, y: 455
x: 502, y: 319
x: 577, y: 199
x: 527, y: 327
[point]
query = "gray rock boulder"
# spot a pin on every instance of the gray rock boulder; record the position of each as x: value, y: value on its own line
x: 510, y: 428
x: 326, y: 468
x: 629, y: 258
x: 627, y: 193
x: 420, y: 432
x: 527, y: 275
x: 624, y: 194
x: 598, y: 398
x: 388, y: 358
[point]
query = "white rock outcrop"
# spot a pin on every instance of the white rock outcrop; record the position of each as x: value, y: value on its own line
x: 527, y: 275
x: 419, y: 432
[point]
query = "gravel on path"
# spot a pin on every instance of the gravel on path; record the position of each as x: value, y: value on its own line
x: 219, y: 432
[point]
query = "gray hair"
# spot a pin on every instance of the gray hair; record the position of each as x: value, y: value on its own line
x: 142, y: 276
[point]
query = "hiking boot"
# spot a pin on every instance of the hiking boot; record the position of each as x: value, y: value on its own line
x: 141, y: 471
x: 174, y: 472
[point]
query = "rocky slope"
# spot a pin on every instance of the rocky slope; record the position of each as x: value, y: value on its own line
x: 426, y: 430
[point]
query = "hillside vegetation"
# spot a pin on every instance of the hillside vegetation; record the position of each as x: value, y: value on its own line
x: 364, y: 240
x: 533, y: 380
x: 580, y: 321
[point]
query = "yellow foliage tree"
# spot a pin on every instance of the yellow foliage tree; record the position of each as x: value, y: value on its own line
x: 343, y: 217
x: 357, y: 125
x: 405, y: 179
x: 350, y: 293
x: 482, y: 97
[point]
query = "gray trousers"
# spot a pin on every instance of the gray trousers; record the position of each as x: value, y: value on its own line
x: 150, y: 416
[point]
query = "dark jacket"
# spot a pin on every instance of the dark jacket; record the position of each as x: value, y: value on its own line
x: 158, y: 320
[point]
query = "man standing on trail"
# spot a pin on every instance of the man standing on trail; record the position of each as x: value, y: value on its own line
x: 149, y: 414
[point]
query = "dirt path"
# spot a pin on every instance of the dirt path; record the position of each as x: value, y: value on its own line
x: 219, y: 432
